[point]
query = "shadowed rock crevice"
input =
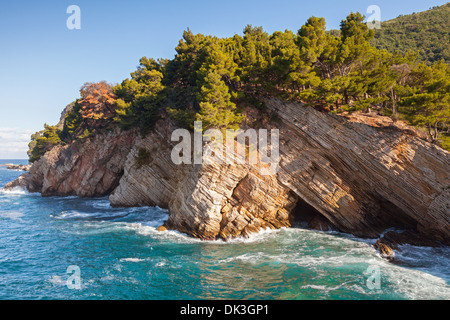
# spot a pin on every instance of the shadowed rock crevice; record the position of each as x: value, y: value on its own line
x: 391, y: 216
x: 306, y: 216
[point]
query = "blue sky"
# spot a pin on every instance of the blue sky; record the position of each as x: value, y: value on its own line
x: 43, y: 63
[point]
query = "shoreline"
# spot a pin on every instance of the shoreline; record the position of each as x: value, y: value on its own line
x: 388, y: 251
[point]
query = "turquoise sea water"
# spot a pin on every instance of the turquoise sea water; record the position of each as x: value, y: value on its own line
x: 120, y: 255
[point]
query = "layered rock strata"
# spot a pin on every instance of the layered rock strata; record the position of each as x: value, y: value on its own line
x: 357, y: 174
x: 360, y: 174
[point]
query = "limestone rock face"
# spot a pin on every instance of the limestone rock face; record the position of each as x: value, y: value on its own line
x: 208, y: 201
x: 153, y: 182
x: 87, y: 169
x: 364, y: 178
x: 360, y: 174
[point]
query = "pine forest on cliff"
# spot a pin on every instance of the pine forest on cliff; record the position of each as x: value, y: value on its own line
x: 214, y: 79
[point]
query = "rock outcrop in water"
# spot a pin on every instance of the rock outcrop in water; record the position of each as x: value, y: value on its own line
x: 359, y: 174
x: 18, y: 167
x: 88, y: 168
x: 207, y: 201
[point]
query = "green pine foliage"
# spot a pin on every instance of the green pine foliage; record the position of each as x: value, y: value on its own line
x: 427, y: 103
x: 72, y: 123
x: 333, y: 71
x: 216, y: 109
x: 43, y: 141
x: 139, y: 98
x: 211, y: 79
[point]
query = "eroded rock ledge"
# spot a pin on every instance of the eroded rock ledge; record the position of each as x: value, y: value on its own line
x: 356, y: 174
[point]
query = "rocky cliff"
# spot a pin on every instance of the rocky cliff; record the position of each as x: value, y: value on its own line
x: 360, y: 174
x: 88, y: 168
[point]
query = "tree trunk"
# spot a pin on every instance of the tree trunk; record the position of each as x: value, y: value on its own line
x: 394, y: 103
x: 429, y: 132
x: 436, y: 130
x: 432, y: 132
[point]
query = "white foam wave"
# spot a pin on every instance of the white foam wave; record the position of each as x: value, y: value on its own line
x: 171, y: 235
x: 322, y: 288
x: 261, y: 236
x: 415, y: 284
x: 17, y: 191
x: 131, y: 260
x: 57, y: 280
x: 79, y: 215
x: 161, y: 263
x: 150, y: 230
x: 252, y: 258
x: 13, y: 215
x: 70, y: 215
x: 97, y: 228
x: 102, y: 204
x: 67, y: 197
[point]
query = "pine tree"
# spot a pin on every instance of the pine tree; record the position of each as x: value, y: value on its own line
x: 429, y: 105
x: 216, y: 109
x: 139, y: 98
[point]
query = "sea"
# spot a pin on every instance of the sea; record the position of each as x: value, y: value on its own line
x: 70, y: 248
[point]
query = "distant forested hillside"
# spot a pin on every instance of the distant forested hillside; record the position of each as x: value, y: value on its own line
x: 426, y: 32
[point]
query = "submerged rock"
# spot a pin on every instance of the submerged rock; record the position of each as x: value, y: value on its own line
x: 161, y: 228
x: 385, y: 250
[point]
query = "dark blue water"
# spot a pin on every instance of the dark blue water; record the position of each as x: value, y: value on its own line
x: 120, y: 255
